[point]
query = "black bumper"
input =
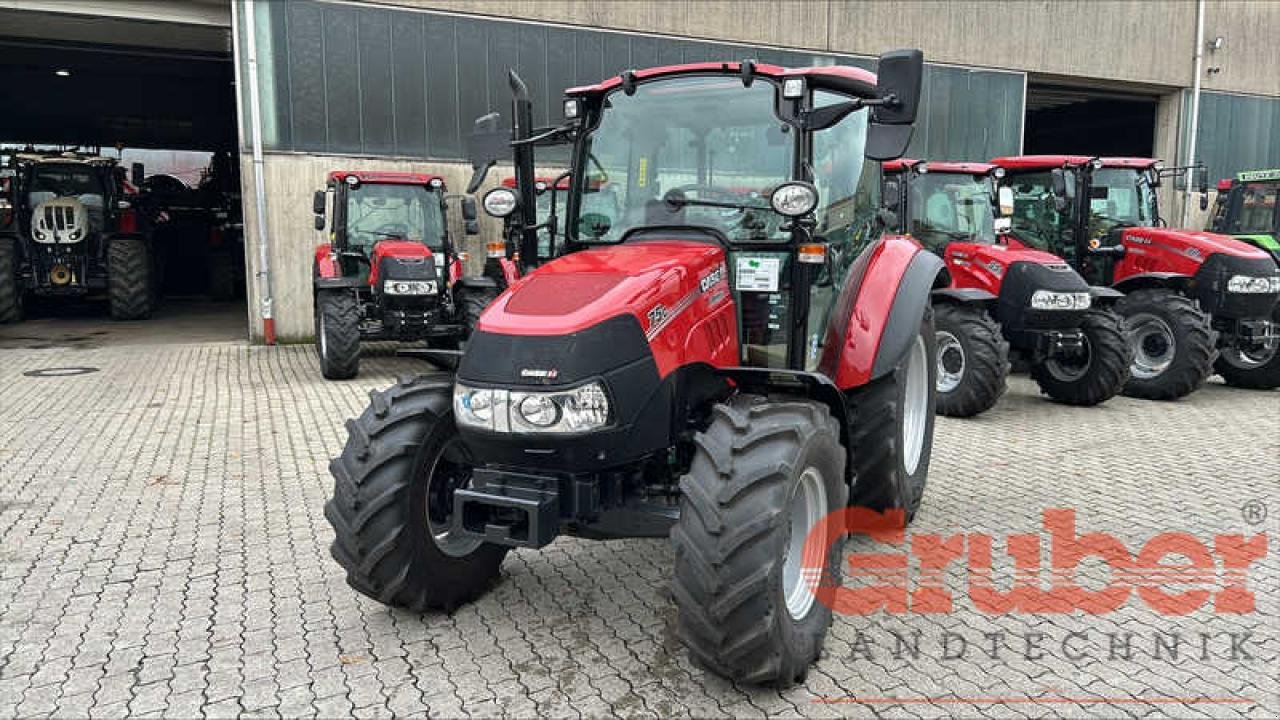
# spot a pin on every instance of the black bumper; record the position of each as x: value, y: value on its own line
x: 1210, y: 287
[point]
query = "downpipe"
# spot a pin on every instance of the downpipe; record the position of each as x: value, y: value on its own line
x: 259, y: 183
x: 1195, y: 112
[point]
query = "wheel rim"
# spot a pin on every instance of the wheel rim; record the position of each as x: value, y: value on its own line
x: 808, y: 504
x: 915, y: 409
x: 447, y: 473
x: 950, y: 361
x: 1154, y: 346
x: 1243, y: 359
x: 1071, y: 369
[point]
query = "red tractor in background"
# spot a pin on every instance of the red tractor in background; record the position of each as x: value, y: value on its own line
x: 1194, y: 301
x: 1003, y: 295
x: 502, y: 257
x: 389, y: 270
x: 689, y: 366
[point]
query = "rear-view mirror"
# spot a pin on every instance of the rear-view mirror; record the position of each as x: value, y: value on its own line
x: 888, y: 142
x: 1058, y: 183
x: 487, y: 145
x: 137, y: 174
x: 471, y: 226
x: 1004, y: 198
x: 1003, y: 225
x: 319, y: 222
x: 468, y: 208
x: 898, y: 77
x: 318, y: 202
x: 1204, y: 201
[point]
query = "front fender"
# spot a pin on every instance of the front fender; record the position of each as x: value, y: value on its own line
x: 1102, y: 296
x: 1141, y: 281
x: 878, y: 312
x: 964, y: 296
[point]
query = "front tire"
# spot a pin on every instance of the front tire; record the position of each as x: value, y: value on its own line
x: 1172, y: 343
x: 763, y: 475
x: 338, y: 334
x: 130, y: 286
x: 973, y: 360
x: 1100, y: 374
x: 393, y: 498
x: 1258, y: 370
x: 11, y: 291
x: 892, y: 421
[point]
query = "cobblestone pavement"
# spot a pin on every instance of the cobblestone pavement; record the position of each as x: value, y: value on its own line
x: 163, y: 552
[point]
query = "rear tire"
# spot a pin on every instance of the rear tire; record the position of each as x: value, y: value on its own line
x: 11, y: 291
x: 338, y: 334
x: 1172, y: 343
x: 1104, y: 370
x: 129, y: 279
x: 394, y: 479
x: 892, y: 430
x: 973, y: 360
x: 1255, y: 371
x: 763, y: 475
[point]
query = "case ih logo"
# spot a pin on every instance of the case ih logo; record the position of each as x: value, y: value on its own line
x: 995, y: 268
x: 1213, y: 573
x: 657, y: 315
x: 540, y: 374
x: 712, y: 279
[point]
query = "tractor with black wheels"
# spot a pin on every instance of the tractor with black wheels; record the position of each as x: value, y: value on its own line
x: 1003, y: 297
x: 502, y: 257
x: 389, y: 269
x: 1195, y: 302
x: 692, y: 365
x: 74, y: 230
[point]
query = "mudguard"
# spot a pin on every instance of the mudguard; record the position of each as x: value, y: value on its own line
x: 326, y: 262
x: 1103, y: 296
x: 878, y: 312
x: 964, y: 296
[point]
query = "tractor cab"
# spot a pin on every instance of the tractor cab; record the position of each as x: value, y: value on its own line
x: 1250, y: 210
x: 943, y: 202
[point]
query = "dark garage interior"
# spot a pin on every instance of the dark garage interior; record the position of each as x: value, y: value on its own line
x: 160, y: 95
x: 1079, y: 121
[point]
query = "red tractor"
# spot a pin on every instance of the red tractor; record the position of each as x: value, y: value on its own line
x: 690, y: 366
x: 502, y: 257
x: 389, y: 270
x: 1003, y: 295
x: 1194, y: 301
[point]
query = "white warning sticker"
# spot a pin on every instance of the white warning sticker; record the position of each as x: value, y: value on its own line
x: 758, y: 274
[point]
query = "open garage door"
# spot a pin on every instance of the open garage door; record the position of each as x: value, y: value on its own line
x: 1073, y: 120
x: 139, y: 134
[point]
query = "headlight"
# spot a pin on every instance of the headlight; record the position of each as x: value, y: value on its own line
x: 1252, y: 284
x: 409, y: 287
x: 500, y: 202
x: 1051, y: 300
x: 75, y: 234
x: 39, y: 234
x: 563, y: 411
x: 793, y: 199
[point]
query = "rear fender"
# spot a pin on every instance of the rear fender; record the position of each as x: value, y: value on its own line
x: 326, y: 263
x: 878, y: 313
x: 1145, y: 281
x: 964, y: 296
x: 1102, y: 296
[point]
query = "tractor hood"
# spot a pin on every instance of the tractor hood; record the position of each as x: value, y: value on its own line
x: 984, y: 266
x: 1193, y: 244
x: 593, y: 311
x: 387, y: 253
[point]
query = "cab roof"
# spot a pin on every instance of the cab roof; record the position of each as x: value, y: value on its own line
x: 941, y: 166
x: 385, y: 177
x: 1047, y: 162
x: 839, y: 78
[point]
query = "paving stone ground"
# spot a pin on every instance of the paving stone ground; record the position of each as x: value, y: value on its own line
x: 163, y: 552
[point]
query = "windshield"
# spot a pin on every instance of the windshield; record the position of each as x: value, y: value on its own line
x: 1255, y: 211
x: 51, y: 180
x: 947, y: 207
x: 698, y: 138
x: 1035, y: 221
x: 382, y: 211
x: 1120, y: 197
